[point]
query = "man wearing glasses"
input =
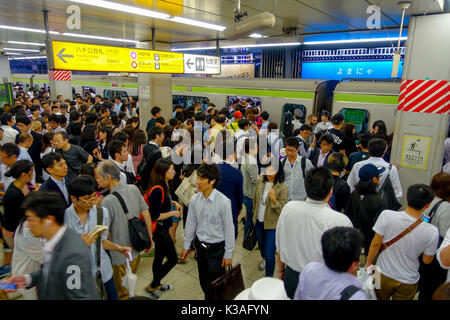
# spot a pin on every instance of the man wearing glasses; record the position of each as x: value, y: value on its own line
x: 82, y: 217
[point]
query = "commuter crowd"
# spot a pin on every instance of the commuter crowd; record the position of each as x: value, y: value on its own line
x: 321, y: 201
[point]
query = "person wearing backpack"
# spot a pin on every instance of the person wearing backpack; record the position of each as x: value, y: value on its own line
x: 160, y: 203
x: 438, y: 214
x: 295, y: 168
x: 125, y: 204
x: 389, y: 188
x: 403, y: 237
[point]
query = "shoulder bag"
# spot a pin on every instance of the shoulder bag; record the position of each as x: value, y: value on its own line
x: 98, y: 278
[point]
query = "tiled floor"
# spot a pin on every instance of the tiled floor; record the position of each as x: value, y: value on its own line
x: 184, y: 277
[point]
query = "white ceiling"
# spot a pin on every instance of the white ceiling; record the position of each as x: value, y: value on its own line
x: 309, y: 16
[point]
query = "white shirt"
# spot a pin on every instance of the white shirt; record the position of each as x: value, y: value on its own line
x: 321, y: 159
x: 28, y: 254
x: 300, y: 229
x: 444, y: 244
x: 4, y: 179
x: 353, y: 178
x: 262, y: 205
x: 126, y: 166
x: 45, y: 175
x: 240, y: 139
x: 400, y: 261
x: 9, y: 134
x: 49, y: 246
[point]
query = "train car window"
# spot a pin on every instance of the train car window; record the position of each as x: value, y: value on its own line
x: 288, y: 113
x: 359, y: 117
x: 232, y: 101
x: 86, y: 90
x: 187, y: 101
x: 110, y: 94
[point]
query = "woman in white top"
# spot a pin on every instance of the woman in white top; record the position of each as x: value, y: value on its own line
x: 28, y: 256
x: 47, y: 147
x: 271, y: 194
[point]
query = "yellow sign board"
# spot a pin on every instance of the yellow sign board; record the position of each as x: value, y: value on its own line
x: 91, y: 57
x: 415, y: 152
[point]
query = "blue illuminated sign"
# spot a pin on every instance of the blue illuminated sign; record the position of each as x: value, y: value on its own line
x: 349, y: 69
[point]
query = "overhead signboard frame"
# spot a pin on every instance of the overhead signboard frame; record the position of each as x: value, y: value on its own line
x: 201, y: 64
x: 91, y: 57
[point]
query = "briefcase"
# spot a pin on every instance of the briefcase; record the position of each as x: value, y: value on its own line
x: 228, y: 286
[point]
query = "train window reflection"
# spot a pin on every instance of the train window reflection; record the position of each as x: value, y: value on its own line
x: 359, y: 117
x: 288, y: 114
x: 187, y: 101
x: 245, y: 101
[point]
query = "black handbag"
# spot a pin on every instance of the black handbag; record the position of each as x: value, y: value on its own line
x: 139, y: 237
x: 98, y: 278
x: 228, y: 286
x: 250, y: 239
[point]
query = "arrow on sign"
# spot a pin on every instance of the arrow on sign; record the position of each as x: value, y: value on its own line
x: 189, y: 63
x: 62, y: 56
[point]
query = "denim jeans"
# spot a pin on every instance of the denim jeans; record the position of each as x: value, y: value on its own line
x: 248, y: 202
x: 111, y: 290
x: 266, y: 244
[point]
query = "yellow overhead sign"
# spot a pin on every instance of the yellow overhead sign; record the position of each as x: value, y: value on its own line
x: 91, y: 57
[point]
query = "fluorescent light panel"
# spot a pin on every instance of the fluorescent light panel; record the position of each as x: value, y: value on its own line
x: 27, y: 43
x: 13, y: 54
x: 124, y: 8
x: 281, y: 44
x: 76, y: 35
x: 353, y: 41
x: 18, y: 49
x: 32, y: 57
x: 255, y: 35
x: 197, y: 23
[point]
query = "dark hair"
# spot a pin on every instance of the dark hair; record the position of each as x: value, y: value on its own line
x: 265, y: 115
x: 121, y: 136
x: 34, y: 108
x: 419, y: 195
x: 44, y: 204
x: 89, y: 133
x: 54, y: 118
x: 318, y: 183
x: 115, y: 146
x: 5, y: 118
x: 90, y: 118
x: 377, y: 147
x: 279, y: 177
x: 327, y: 137
x: 440, y: 183
x: 49, y: 160
x: 23, y: 119
x: 382, y: 130
x: 210, y: 172
x: 199, y: 116
x: 63, y: 135
x: 155, y: 110
x: 158, y: 174
x: 10, y: 149
x: 88, y: 169
x: 74, y: 115
x: 108, y: 132
x: 75, y: 128
x: 243, y: 123
x: 341, y: 247
x: 220, y: 119
x: 292, y: 142
x: 155, y: 131
x: 347, y: 129
x: 366, y: 188
x: 139, y: 139
x: 364, y: 139
x: 337, y: 161
x: 160, y: 120
x: 19, y: 167
x: 272, y: 126
x: 306, y: 127
x: 82, y: 185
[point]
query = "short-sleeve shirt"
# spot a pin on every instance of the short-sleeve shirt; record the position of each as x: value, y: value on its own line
x: 400, y: 261
x: 338, y: 139
x: 119, y: 233
x: 444, y: 244
x: 75, y: 158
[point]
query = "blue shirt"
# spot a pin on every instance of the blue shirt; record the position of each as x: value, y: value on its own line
x: 231, y: 185
x: 73, y: 222
x: 211, y: 220
x: 117, y: 108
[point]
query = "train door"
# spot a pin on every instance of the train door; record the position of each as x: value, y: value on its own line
x: 87, y: 89
x: 288, y: 116
x: 233, y: 101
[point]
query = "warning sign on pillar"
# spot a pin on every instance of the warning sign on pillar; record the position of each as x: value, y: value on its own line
x: 425, y: 96
x: 415, y: 152
x: 60, y: 75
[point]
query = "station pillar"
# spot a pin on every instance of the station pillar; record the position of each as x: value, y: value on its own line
x: 422, y: 116
x: 60, y: 83
x: 5, y: 71
x: 154, y: 90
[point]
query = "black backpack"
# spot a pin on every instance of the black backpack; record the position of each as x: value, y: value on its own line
x: 302, y: 162
x: 388, y: 194
x: 139, y: 237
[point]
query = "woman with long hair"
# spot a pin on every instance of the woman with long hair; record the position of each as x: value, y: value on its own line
x: 104, y: 136
x: 47, y: 147
x: 271, y: 194
x: 379, y: 130
x: 22, y: 171
x: 88, y: 140
x: 161, y: 210
x: 136, y: 147
x: 349, y: 142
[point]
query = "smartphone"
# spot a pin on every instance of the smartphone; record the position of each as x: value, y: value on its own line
x: 7, y: 286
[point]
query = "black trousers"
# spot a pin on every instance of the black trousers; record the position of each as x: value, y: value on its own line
x: 290, y: 280
x: 209, y: 262
x: 164, y: 247
x: 431, y: 277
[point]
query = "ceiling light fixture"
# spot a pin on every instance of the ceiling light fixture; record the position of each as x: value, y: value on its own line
x: 32, y: 57
x: 124, y: 8
x: 197, y: 23
x: 27, y: 43
x: 18, y: 49
x: 262, y: 45
x: 76, y: 35
x: 26, y: 29
x: 256, y: 35
x: 352, y: 41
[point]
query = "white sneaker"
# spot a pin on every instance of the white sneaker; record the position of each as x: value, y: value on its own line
x: 262, y: 265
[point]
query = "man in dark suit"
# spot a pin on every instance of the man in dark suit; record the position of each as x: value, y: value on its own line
x: 231, y: 182
x: 56, y: 167
x: 151, y: 154
x: 24, y: 125
x: 322, y: 150
x: 66, y: 273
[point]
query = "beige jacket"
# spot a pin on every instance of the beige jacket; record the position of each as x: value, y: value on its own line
x: 272, y: 212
